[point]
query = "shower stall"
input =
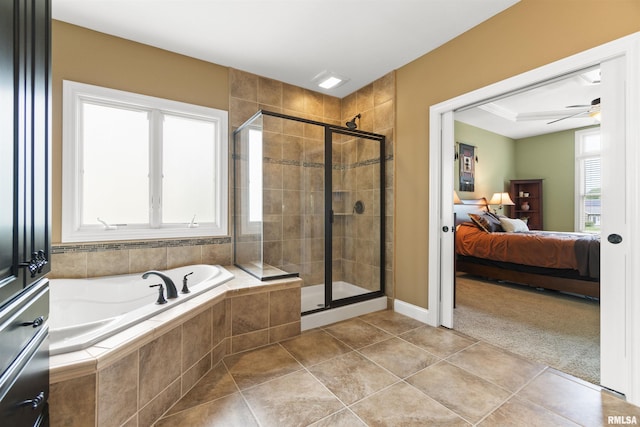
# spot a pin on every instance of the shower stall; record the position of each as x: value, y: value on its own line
x: 309, y: 202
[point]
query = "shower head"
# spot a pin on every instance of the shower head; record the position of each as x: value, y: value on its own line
x: 351, y: 124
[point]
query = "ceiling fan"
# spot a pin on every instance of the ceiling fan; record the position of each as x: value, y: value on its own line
x: 591, y: 110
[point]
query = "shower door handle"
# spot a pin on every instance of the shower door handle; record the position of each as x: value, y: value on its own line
x: 331, y: 216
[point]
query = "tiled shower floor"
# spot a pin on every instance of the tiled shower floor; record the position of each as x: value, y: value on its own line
x: 385, y: 369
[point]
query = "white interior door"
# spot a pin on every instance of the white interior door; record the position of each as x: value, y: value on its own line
x: 447, y: 238
x: 614, y: 253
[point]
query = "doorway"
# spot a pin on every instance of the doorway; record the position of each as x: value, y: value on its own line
x: 618, y: 61
x: 531, y: 137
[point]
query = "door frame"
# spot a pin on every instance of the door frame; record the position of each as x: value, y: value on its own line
x: 441, y: 186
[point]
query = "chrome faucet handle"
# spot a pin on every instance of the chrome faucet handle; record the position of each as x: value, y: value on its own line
x: 161, y: 298
x: 185, y: 289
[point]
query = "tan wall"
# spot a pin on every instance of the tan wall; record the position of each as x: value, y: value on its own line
x: 530, y: 34
x: 90, y: 57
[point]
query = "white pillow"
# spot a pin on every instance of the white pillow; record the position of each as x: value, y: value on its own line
x: 513, y: 225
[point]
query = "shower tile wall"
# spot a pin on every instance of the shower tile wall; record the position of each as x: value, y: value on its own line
x: 359, y: 263
x: 356, y: 247
x: 294, y: 195
x: 293, y: 176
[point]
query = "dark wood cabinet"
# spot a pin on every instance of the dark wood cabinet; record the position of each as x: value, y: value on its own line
x: 25, y: 82
x: 11, y: 277
x: 527, y: 196
x: 25, y: 243
x: 38, y: 141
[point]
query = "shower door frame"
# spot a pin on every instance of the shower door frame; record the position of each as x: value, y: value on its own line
x: 329, y: 302
x: 329, y: 131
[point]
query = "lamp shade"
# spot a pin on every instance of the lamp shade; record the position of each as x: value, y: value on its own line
x: 456, y: 199
x: 502, y: 199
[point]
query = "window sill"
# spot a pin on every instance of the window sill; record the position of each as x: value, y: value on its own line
x: 142, y: 234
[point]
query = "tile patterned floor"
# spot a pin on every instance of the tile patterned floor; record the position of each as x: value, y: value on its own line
x: 385, y: 369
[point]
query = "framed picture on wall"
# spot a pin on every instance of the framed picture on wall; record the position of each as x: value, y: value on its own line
x: 466, y: 155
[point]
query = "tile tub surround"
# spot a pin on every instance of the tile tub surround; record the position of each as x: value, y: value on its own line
x: 133, y: 377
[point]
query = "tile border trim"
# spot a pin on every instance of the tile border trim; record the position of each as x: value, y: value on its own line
x: 62, y: 248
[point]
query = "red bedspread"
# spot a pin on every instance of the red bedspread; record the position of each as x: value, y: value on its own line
x: 536, y: 248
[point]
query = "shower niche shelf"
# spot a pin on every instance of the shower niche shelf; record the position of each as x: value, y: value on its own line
x: 339, y: 202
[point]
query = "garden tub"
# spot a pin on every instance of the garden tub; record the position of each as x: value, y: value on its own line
x: 86, y: 311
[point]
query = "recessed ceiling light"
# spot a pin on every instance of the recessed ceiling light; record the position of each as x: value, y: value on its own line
x: 329, y: 80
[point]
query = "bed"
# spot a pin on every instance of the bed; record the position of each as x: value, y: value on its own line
x: 567, y: 262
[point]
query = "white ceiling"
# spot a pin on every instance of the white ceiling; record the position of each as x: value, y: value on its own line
x: 294, y: 40
x: 288, y: 40
x: 529, y: 113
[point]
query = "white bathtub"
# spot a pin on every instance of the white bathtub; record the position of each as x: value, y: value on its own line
x: 85, y: 311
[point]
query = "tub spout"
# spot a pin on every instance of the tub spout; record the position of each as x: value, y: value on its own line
x: 172, y: 292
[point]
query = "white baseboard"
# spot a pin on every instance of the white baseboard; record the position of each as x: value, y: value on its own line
x: 415, y: 312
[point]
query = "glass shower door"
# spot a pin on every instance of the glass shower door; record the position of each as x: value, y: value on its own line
x: 357, y: 199
x: 309, y: 202
x: 312, y: 219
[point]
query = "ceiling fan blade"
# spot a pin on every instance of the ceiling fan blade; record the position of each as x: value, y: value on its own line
x: 593, y: 103
x: 568, y: 117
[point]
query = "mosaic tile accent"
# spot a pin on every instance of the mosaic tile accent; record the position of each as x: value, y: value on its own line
x: 139, y: 244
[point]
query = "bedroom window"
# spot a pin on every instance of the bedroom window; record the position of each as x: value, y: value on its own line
x: 588, y: 180
x: 139, y: 167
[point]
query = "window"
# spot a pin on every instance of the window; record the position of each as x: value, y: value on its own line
x: 588, y: 181
x: 248, y: 156
x: 255, y: 176
x: 139, y: 167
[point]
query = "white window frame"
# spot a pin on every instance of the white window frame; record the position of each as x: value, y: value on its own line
x: 580, y: 157
x: 74, y: 94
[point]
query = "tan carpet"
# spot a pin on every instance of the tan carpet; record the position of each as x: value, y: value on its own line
x: 558, y: 330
